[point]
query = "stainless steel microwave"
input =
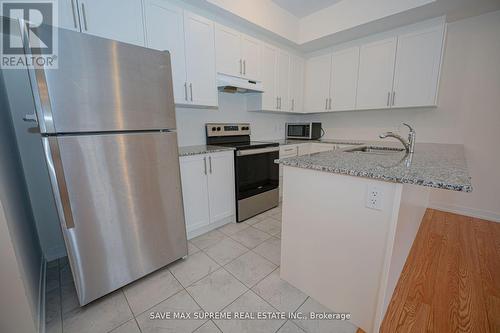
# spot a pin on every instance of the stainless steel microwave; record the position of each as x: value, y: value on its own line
x: 306, y: 131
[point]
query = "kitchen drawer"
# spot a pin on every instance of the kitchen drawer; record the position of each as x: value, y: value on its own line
x: 288, y: 151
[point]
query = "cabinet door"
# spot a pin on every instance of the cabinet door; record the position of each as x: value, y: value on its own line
x: 113, y: 19
x: 304, y: 149
x: 68, y: 15
x: 320, y: 147
x: 317, y: 86
x: 283, y: 80
x: 228, y: 51
x: 296, y: 84
x: 165, y: 31
x: 344, y: 79
x: 195, y: 191
x: 250, y: 53
x: 200, y: 60
x: 269, y: 59
x: 221, y: 190
x: 417, y: 68
x: 376, y: 72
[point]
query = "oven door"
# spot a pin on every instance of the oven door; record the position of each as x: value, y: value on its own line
x: 298, y: 131
x: 256, y: 171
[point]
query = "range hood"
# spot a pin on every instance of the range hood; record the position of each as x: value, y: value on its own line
x: 232, y: 84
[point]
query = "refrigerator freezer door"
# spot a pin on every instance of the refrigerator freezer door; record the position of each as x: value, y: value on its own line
x: 123, y: 194
x: 102, y: 85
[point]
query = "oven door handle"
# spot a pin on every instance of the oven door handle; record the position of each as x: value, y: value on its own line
x: 256, y: 151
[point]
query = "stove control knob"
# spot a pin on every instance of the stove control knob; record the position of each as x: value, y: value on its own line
x: 218, y: 128
x: 214, y: 128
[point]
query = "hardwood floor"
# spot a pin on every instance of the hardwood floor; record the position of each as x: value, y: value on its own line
x: 451, y: 279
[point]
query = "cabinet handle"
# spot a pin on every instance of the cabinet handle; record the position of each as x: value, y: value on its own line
x: 185, y: 91
x: 277, y: 102
x: 84, y: 13
x: 388, y: 98
x: 241, y: 66
x: 326, y: 104
x: 293, y: 104
x: 74, y: 14
x: 191, y: 90
x: 330, y: 103
x: 393, y: 97
x: 280, y: 102
x: 297, y: 150
x: 210, y: 163
x: 244, y: 67
x: 205, y: 164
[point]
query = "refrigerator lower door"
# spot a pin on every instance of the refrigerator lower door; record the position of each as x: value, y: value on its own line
x: 120, y: 202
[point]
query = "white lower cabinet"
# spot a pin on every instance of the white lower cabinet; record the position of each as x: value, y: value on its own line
x: 208, y: 191
x: 286, y: 151
x: 320, y: 147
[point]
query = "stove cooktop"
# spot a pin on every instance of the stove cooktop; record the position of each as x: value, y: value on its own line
x: 248, y: 144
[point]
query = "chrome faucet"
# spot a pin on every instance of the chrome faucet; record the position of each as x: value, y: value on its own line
x: 409, y: 145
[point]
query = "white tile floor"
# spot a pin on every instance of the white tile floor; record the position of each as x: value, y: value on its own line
x: 234, y: 268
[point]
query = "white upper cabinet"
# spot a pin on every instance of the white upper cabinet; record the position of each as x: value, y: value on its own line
x: 165, y: 32
x: 228, y: 52
x: 269, y: 60
x: 418, y: 60
x: 250, y: 54
x: 317, y: 83
x: 296, y: 84
x: 113, y: 19
x: 283, y: 80
x: 201, y: 87
x: 68, y: 15
x: 344, y: 79
x: 376, y: 73
x: 236, y: 54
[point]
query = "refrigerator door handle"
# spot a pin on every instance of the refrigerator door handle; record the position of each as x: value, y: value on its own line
x: 56, y: 172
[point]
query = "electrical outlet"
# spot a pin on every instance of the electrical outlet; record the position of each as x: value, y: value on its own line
x: 374, y: 197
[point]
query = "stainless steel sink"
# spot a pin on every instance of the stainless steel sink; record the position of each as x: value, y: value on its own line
x: 375, y: 150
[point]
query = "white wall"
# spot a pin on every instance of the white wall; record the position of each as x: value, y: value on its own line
x: 345, y: 15
x: 20, y: 253
x: 232, y: 108
x: 265, y: 14
x: 468, y: 113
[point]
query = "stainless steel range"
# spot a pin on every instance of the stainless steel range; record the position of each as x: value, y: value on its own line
x: 256, y: 174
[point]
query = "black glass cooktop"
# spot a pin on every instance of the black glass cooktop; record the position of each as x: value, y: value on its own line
x: 248, y: 144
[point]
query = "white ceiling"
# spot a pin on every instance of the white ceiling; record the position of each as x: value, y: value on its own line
x: 301, y: 8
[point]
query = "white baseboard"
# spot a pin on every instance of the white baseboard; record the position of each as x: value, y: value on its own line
x: 467, y: 211
x: 54, y: 253
x: 41, y: 296
x: 214, y: 225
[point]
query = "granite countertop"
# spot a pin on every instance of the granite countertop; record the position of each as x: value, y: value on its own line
x: 434, y: 165
x: 286, y: 142
x: 201, y: 149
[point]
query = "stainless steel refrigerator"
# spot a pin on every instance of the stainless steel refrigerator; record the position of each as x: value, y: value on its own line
x: 107, y: 122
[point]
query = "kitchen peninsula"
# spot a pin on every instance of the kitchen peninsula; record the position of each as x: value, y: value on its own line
x: 350, y: 217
